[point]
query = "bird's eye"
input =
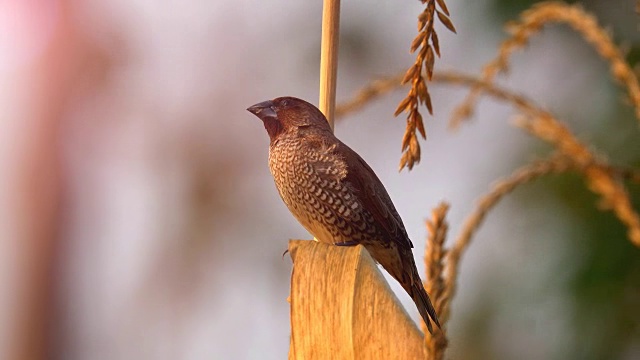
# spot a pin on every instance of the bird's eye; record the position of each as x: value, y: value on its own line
x: 284, y: 103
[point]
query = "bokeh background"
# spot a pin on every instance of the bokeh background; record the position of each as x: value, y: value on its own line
x: 138, y: 218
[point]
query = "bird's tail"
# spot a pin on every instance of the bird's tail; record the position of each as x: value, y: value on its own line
x: 420, y: 297
x: 400, y: 264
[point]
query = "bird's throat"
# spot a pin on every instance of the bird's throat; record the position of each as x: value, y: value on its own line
x: 273, y: 127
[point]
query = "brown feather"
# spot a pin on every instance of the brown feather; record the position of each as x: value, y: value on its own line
x: 374, y: 197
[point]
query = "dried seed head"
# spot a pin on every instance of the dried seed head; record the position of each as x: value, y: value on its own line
x: 427, y: 45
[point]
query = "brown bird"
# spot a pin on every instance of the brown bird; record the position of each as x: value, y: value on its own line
x: 334, y: 194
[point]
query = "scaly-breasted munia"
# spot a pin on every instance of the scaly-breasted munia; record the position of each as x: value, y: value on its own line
x: 334, y: 194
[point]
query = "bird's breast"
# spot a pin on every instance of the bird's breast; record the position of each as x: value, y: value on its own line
x: 312, y: 185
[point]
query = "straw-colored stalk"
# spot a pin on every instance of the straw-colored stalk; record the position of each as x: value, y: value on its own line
x: 329, y: 58
x: 527, y: 173
x: 530, y: 24
x: 599, y: 179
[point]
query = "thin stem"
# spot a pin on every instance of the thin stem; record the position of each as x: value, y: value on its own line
x: 329, y: 58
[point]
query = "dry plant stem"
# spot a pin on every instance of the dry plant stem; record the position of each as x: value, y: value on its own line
x: 329, y: 58
x: 626, y: 173
x: 554, y: 164
x: 531, y: 22
x: 368, y: 93
x: 434, y: 284
x: 427, y: 45
x: 518, y: 101
x: 599, y: 178
x: 382, y: 86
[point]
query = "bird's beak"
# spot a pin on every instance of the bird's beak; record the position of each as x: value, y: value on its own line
x: 263, y: 110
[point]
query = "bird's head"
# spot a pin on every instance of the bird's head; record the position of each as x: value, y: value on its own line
x: 287, y: 113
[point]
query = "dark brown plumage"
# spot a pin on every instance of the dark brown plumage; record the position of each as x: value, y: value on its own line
x: 334, y: 194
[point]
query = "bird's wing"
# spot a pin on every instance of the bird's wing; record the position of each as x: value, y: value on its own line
x: 325, y: 159
x: 373, y: 196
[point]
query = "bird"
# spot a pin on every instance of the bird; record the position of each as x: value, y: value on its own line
x: 334, y: 193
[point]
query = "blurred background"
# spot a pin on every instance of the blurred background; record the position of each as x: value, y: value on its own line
x: 138, y: 218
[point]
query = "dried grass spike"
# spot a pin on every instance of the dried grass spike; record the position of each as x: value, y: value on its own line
x: 446, y: 22
x: 404, y: 161
x: 417, y: 42
x: 429, y: 62
x: 427, y: 102
x: 426, y: 43
x: 436, y: 43
x: 402, y: 107
x: 435, y: 253
x: 406, y: 138
x: 420, y: 125
x: 443, y: 7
